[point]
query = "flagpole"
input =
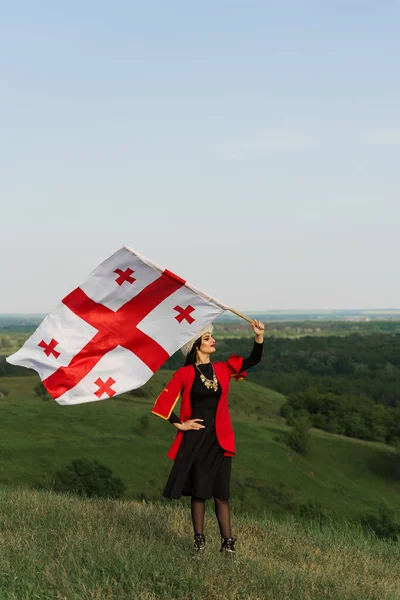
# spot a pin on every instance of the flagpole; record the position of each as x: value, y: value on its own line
x: 235, y: 312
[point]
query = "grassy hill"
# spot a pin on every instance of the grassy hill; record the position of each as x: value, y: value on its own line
x: 62, y: 547
x: 340, y: 476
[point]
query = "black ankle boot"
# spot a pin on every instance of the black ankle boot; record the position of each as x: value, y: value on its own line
x: 228, y: 545
x: 199, y: 542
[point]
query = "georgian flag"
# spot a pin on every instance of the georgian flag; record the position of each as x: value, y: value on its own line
x: 112, y: 333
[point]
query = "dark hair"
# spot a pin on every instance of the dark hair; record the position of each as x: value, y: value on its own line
x: 191, y: 357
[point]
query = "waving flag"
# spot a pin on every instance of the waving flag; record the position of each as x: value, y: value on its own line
x: 112, y: 333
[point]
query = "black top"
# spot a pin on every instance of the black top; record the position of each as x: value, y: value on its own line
x: 200, y: 395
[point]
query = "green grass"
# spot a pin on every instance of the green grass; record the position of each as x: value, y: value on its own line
x: 37, y: 437
x: 56, y: 547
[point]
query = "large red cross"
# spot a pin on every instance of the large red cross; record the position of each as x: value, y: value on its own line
x: 124, y: 276
x: 115, y: 328
x: 105, y: 387
x: 184, y: 313
x: 49, y: 348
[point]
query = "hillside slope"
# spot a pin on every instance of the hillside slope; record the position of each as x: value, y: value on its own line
x: 342, y: 476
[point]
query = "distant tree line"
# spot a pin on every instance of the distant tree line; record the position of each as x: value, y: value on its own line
x: 7, y: 370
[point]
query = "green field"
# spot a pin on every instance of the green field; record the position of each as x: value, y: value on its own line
x: 342, y: 475
x: 298, y: 518
x: 60, y: 547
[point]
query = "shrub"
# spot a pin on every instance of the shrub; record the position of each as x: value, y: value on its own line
x: 384, y: 524
x: 6, y: 369
x: 141, y: 392
x: 386, y: 463
x: 88, y: 478
x: 313, y: 510
x: 299, y: 438
x: 41, y: 391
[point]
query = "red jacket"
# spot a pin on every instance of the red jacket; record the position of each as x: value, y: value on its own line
x: 182, y: 382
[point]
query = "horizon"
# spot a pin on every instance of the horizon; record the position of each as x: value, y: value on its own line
x: 262, y: 311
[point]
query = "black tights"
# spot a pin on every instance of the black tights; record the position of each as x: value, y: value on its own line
x: 198, y: 506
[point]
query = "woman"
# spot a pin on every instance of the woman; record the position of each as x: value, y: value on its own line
x: 204, y: 445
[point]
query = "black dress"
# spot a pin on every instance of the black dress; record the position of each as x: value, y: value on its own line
x: 200, y: 468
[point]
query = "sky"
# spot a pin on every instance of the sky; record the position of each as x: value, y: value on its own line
x: 252, y: 147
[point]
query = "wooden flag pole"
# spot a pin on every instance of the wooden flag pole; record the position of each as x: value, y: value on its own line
x: 235, y: 312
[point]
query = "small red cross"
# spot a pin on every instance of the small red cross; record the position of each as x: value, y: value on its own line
x: 49, y: 348
x: 105, y: 387
x: 184, y: 313
x: 124, y: 276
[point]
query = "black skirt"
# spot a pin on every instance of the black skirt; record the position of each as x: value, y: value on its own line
x: 200, y: 468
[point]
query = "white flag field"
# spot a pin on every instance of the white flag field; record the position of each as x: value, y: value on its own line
x: 114, y: 331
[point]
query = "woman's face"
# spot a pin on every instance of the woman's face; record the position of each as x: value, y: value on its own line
x: 207, y: 345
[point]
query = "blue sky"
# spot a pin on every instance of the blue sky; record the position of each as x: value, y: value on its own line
x: 251, y: 147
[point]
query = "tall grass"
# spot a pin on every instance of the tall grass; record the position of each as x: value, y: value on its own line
x: 64, y: 548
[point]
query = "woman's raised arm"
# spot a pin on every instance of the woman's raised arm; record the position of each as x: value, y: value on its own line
x: 257, y: 350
